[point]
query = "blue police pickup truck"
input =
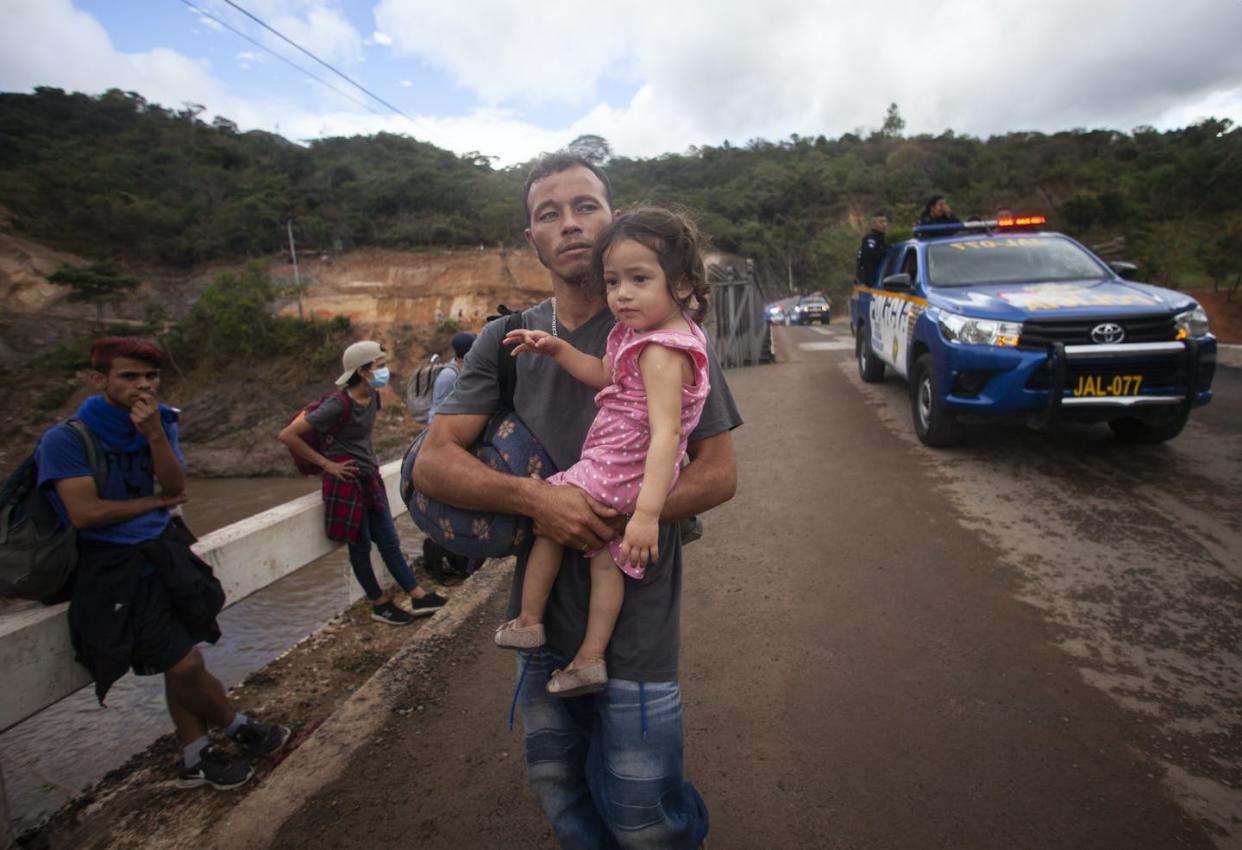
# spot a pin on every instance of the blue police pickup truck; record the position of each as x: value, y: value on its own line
x: 997, y: 319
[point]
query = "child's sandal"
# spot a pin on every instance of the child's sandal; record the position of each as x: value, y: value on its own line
x: 512, y: 636
x: 576, y: 682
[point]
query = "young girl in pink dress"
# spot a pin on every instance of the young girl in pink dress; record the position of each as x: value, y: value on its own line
x: 653, y: 383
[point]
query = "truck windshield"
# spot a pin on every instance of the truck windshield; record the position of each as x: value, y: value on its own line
x: 1012, y: 259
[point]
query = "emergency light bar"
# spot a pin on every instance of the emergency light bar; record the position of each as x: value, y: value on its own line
x: 1022, y: 221
x: 1004, y: 223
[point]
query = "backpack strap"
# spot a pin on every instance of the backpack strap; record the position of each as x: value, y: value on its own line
x: 507, y: 365
x: 347, y: 408
x: 95, y: 459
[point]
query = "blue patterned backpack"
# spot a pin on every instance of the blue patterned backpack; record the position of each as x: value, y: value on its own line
x: 506, y: 445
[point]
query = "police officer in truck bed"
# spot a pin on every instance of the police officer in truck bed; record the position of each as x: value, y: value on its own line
x: 871, y: 251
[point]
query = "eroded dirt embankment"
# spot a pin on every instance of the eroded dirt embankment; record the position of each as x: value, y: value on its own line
x: 400, y: 298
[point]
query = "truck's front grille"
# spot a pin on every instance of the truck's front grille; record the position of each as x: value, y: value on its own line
x: 1037, y: 333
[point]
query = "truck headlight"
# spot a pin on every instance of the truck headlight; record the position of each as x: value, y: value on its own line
x: 1192, y: 322
x: 967, y: 331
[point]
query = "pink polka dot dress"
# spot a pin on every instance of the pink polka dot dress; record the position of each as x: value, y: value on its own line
x: 614, y: 456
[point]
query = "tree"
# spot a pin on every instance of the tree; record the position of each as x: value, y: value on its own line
x: 591, y: 148
x: 894, y: 124
x: 99, y: 283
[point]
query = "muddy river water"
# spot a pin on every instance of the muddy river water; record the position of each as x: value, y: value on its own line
x: 48, y: 759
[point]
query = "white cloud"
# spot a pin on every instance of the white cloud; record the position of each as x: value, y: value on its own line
x: 506, y: 51
x: 381, y: 38
x: 323, y: 31
x: 35, y: 43
x: 700, y: 73
x: 710, y: 70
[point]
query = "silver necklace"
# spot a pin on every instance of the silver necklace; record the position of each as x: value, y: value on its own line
x: 555, y: 335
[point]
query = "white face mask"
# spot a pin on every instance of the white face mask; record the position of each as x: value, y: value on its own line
x: 379, y: 378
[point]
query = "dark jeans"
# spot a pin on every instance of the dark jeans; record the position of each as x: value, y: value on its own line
x: 378, y: 527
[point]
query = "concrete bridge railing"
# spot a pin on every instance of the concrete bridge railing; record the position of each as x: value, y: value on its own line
x: 36, y: 656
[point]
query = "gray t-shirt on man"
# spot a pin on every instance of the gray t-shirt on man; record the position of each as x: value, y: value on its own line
x: 559, y: 411
x: 354, y: 439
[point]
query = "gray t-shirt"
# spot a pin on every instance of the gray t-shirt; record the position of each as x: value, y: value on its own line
x: 354, y: 439
x: 559, y: 411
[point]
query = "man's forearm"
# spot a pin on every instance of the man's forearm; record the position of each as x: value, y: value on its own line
x: 710, y: 479
x: 110, y: 511
x: 445, y: 470
x: 451, y: 474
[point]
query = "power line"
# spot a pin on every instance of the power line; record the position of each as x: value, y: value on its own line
x: 288, y: 62
x: 340, y: 74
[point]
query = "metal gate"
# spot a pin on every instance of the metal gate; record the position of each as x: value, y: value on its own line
x: 736, y: 324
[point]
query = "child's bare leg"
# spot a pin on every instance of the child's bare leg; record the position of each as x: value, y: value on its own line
x: 607, y: 594
x: 541, y: 571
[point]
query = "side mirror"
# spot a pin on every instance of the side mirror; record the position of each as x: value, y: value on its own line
x: 898, y: 282
x: 1125, y: 271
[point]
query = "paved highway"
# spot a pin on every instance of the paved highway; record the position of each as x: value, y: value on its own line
x: 1029, y: 641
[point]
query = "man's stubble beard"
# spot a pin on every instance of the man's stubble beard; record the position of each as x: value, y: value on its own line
x: 579, y: 277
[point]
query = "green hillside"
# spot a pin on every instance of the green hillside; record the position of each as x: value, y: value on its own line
x: 114, y: 177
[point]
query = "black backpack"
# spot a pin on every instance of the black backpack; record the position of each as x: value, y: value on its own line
x: 38, y: 553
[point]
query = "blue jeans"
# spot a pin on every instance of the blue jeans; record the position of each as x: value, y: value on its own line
x: 608, y: 768
x: 378, y: 526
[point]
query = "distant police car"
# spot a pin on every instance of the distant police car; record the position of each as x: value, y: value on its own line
x: 995, y: 319
x: 812, y: 308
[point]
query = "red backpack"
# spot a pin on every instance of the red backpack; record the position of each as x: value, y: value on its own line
x: 317, y: 441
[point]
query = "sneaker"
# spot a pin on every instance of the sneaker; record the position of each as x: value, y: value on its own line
x: 512, y: 636
x: 390, y: 614
x: 257, y: 740
x: 429, y: 604
x: 579, y: 681
x: 214, y: 769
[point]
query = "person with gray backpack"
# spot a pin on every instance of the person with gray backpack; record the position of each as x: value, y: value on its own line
x: 437, y: 560
x: 430, y: 385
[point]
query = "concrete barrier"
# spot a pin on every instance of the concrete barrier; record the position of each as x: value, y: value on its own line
x: 36, y: 656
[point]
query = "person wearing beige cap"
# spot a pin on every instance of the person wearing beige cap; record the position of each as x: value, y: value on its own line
x: 356, y: 508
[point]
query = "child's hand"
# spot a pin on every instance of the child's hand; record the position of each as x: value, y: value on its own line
x: 536, y: 342
x: 641, y: 544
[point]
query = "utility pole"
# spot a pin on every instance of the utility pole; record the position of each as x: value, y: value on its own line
x: 297, y: 281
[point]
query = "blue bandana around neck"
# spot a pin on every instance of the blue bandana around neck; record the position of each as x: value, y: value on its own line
x: 113, y: 425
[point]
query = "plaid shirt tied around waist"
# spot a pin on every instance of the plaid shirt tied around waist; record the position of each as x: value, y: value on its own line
x: 345, y: 503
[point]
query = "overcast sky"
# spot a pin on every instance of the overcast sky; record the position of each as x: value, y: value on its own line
x: 510, y: 78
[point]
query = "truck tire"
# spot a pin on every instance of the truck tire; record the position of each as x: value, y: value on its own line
x: 935, y: 424
x: 1155, y: 427
x: 870, y: 367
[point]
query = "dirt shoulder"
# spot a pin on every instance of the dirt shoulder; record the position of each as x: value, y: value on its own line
x: 138, y: 804
x: 1224, y: 315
